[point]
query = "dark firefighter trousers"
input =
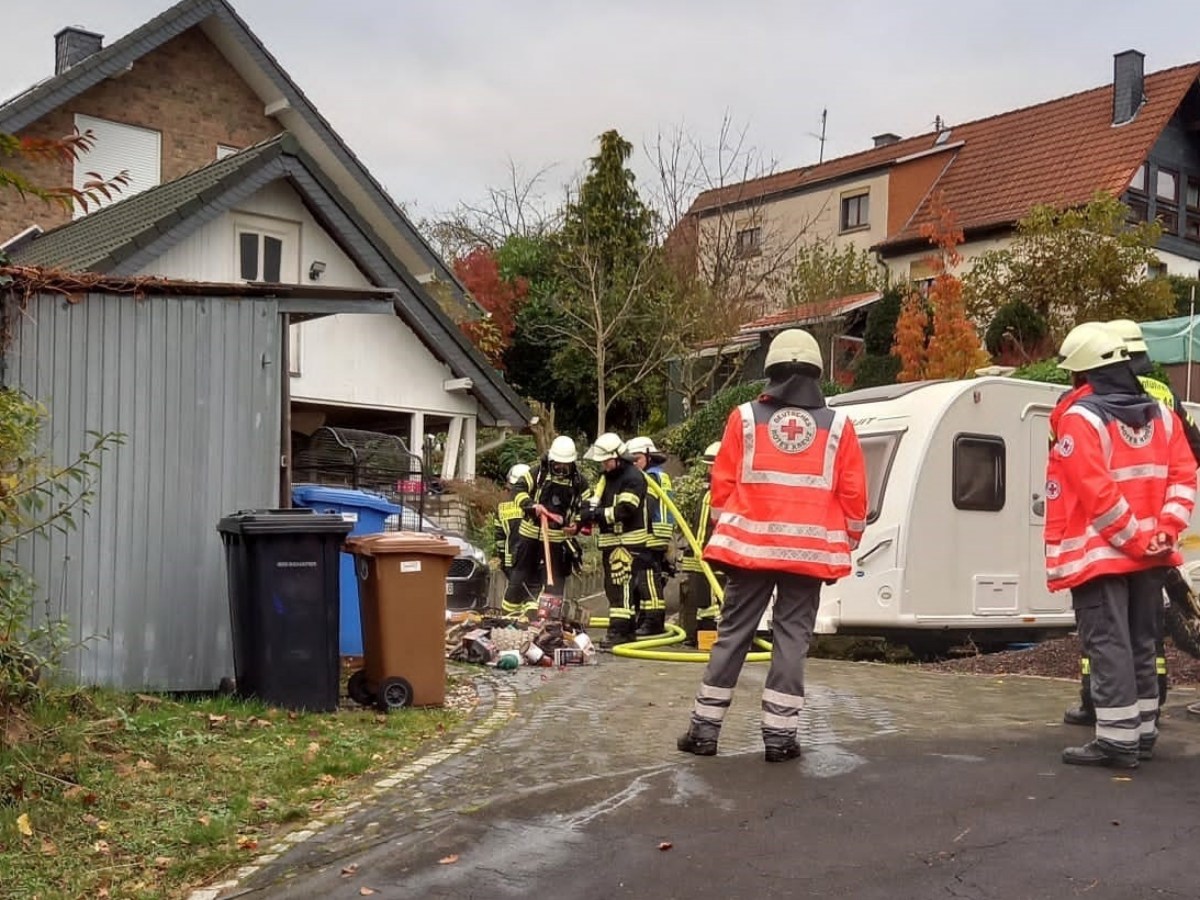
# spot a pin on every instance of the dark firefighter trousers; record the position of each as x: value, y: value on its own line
x: 528, y: 578
x: 631, y: 580
x: 1117, y: 618
x: 747, y: 594
x: 1171, y: 579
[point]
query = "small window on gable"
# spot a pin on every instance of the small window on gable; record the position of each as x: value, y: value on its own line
x: 260, y: 257
x: 855, y: 212
x: 978, y: 473
x: 749, y: 242
x: 1138, y: 182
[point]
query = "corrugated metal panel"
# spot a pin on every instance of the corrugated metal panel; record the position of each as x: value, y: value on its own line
x: 193, y: 383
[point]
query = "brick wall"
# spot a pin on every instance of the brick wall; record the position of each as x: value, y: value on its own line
x: 184, y: 89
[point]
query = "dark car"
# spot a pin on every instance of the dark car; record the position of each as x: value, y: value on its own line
x: 469, y: 578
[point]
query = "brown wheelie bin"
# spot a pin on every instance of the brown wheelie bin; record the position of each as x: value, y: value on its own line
x: 402, y: 597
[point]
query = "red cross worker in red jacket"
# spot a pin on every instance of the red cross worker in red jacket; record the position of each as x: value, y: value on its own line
x: 789, y: 495
x: 1120, y: 488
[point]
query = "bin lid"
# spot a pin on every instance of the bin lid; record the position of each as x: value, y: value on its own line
x: 406, y: 542
x: 283, y: 521
x: 306, y: 494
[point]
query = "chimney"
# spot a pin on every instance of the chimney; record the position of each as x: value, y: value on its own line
x: 882, y: 140
x: 1128, y: 85
x: 73, y: 45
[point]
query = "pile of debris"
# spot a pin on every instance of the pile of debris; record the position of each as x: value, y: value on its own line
x: 492, y: 639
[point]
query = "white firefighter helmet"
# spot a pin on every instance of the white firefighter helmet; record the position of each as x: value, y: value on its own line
x: 562, y: 450
x: 517, y: 472
x: 1076, y: 336
x: 795, y: 345
x: 1099, y: 347
x: 607, y: 446
x: 1131, y: 333
x: 710, y: 453
x: 640, y: 444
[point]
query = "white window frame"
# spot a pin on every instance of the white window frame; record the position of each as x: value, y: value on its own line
x: 288, y: 233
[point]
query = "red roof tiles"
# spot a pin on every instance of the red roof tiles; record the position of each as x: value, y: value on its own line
x: 1061, y: 151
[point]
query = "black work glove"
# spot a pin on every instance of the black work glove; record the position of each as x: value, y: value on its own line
x: 589, y: 516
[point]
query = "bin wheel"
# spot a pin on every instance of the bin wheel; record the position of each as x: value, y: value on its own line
x: 395, y: 693
x: 356, y: 687
x: 227, y: 686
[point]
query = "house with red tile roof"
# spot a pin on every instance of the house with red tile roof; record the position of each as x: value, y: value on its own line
x: 1137, y: 138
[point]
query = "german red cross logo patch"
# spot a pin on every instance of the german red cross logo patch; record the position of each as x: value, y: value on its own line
x: 1136, y: 437
x: 792, y: 430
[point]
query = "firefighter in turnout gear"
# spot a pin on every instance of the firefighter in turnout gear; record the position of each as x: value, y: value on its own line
x: 552, y: 506
x: 789, y: 489
x: 652, y: 611
x: 618, y: 510
x: 509, y: 514
x: 698, y: 609
x: 1175, y: 586
x: 1120, y: 487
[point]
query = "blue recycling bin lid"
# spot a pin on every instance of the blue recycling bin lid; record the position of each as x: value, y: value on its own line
x: 306, y: 494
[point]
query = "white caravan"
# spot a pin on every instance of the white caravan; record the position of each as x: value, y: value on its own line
x: 953, y: 545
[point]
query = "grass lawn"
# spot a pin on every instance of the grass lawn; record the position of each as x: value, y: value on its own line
x: 131, y: 796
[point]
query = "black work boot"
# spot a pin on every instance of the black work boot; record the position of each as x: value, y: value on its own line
x: 689, y: 743
x: 653, y: 623
x: 782, y: 752
x: 1093, y: 753
x: 1080, y: 715
x: 1145, y: 749
x: 619, y: 631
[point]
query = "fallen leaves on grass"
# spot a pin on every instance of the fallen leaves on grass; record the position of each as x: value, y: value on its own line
x: 24, y: 826
x: 246, y: 842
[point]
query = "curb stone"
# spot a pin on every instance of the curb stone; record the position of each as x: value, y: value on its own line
x: 502, y: 701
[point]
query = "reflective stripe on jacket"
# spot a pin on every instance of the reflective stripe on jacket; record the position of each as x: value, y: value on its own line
x: 660, y: 520
x: 1164, y: 394
x: 703, y: 530
x: 791, y: 490
x: 1109, y: 488
x: 621, y: 504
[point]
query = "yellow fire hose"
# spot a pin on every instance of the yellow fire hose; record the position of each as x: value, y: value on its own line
x: 647, y: 648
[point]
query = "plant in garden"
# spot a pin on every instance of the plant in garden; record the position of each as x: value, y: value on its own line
x: 708, y: 423
x: 37, y: 497
x: 501, y: 297
x: 68, y: 149
x: 934, y: 336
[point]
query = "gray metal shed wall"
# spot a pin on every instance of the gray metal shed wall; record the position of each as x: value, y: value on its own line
x: 193, y: 383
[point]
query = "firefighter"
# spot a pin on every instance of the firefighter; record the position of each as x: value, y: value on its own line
x: 555, y: 499
x: 1120, y: 487
x: 698, y: 608
x: 618, y: 510
x: 508, y: 516
x: 652, y: 608
x: 789, y: 490
x: 1175, y: 585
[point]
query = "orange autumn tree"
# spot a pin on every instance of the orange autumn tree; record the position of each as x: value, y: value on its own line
x: 951, y: 347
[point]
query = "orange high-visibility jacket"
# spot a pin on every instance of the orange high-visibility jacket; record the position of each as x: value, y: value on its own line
x: 1109, y: 488
x: 789, y: 491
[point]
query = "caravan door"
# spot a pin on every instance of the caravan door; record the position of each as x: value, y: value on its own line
x: 1040, y: 599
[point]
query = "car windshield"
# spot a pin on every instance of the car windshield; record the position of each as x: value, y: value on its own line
x: 878, y: 452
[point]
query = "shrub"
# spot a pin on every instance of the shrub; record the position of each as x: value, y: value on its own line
x: 708, y: 423
x: 881, y: 323
x: 495, y: 463
x: 1018, y: 320
x: 872, y: 370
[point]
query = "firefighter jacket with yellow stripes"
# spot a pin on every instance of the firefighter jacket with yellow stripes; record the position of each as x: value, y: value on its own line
x: 1119, y: 472
x: 661, y: 521
x: 620, y: 503
x: 509, y: 513
x: 560, y: 494
x: 703, y: 531
x: 791, y: 489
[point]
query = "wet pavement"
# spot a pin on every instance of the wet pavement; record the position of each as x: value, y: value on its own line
x: 912, y: 784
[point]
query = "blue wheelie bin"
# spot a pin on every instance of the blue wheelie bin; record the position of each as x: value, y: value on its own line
x: 367, y: 513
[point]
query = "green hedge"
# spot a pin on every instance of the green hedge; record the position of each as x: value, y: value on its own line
x: 708, y: 423
x: 494, y: 464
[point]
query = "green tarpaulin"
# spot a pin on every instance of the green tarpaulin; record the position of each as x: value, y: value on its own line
x: 1168, y: 339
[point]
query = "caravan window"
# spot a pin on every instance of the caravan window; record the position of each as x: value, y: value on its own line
x: 979, y: 474
x: 878, y: 452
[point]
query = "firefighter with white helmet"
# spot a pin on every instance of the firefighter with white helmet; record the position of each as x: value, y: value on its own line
x: 652, y: 606
x: 789, y: 489
x: 508, y: 517
x: 549, y: 513
x: 1175, y: 586
x: 1120, y: 488
x: 618, y: 510
x: 697, y: 608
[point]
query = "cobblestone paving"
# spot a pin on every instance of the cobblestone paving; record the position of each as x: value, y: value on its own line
x: 539, y: 728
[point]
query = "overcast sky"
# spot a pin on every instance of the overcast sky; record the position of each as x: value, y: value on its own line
x: 436, y: 96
